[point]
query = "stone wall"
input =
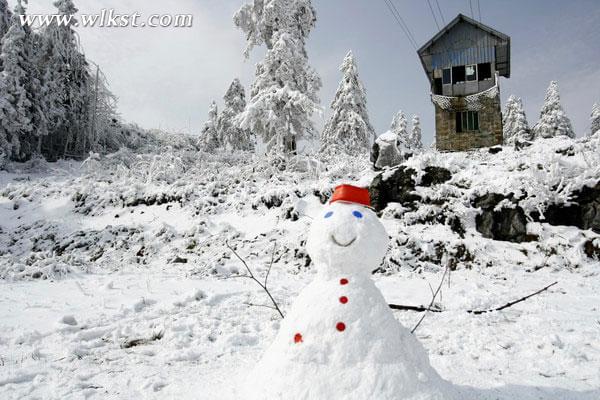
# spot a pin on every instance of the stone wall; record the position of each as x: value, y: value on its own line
x: 490, y: 125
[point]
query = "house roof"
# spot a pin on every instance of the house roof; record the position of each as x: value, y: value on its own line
x: 451, y: 24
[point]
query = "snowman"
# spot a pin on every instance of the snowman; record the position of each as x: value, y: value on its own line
x: 340, y: 340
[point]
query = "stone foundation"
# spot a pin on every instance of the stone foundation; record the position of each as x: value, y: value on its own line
x: 490, y: 125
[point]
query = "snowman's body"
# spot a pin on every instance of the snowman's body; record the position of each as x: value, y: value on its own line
x: 340, y: 340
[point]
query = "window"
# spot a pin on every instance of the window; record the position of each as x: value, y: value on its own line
x: 458, y: 74
x: 485, y: 71
x: 446, y: 76
x: 471, y: 72
x: 467, y: 121
x: 437, y: 86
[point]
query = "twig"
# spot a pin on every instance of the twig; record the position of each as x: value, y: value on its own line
x: 432, y: 299
x: 81, y: 289
x: 512, y: 303
x: 260, y: 305
x: 271, y: 263
x: 412, y: 308
x: 251, y: 276
x: 142, y: 341
x: 476, y: 312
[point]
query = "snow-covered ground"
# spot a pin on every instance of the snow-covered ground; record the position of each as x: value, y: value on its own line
x: 117, y: 281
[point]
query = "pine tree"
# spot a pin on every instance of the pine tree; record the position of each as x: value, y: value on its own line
x: 348, y: 128
x: 416, y: 136
x: 17, y: 124
x: 230, y: 135
x: 515, y: 128
x: 209, y: 136
x: 283, y: 97
x: 553, y: 120
x: 33, y: 85
x: 595, y: 119
x: 399, y: 129
x: 5, y: 20
x: 9, y: 140
x: 65, y: 88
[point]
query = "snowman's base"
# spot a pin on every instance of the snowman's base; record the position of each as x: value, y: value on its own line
x: 372, y: 357
x: 361, y: 383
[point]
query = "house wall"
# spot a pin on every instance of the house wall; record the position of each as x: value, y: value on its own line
x: 467, y: 42
x: 490, y: 126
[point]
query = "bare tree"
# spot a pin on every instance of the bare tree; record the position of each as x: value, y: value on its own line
x: 262, y: 284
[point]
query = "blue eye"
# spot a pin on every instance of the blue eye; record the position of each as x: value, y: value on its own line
x: 357, y: 214
x: 329, y: 214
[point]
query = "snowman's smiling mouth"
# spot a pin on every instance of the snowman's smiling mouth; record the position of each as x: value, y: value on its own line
x: 342, y: 244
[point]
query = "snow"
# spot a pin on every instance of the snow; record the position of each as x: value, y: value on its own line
x: 114, y: 281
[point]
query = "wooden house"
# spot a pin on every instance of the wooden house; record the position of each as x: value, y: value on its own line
x: 463, y: 63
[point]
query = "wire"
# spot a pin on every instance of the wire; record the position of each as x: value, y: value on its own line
x: 479, y: 10
x: 440, y: 10
x: 396, y: 14
x: 412, y: 37
x: 433, y: 13
x: 471, y: 6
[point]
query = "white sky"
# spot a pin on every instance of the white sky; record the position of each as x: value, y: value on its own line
x: 166, y: 78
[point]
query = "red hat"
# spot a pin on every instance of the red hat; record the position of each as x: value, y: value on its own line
x: 351, y: 194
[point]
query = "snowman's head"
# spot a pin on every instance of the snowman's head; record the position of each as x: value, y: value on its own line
x: 346, y: 237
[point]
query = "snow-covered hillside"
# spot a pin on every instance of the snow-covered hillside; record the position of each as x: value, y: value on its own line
x: 117, y: 279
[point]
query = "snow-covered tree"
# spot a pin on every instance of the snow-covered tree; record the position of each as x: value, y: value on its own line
x: 229, y: 134
x: 348, y: 128
x: 65, y: 90
x: 595, y: 119
x: 209, y: 136
x: 283, y: 96
x: 106, y: 130
x: 9, y: 140
x: 553, y: 120
x: 5, y: 18
x: 399, y: 127
x: 515, y: 128
x: 415, y: 134
x: 17, y: 108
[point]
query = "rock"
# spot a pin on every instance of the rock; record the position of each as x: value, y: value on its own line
x: 435, y: 176
x: 583, y: 212
x: 385, y: 151
x: 323, y: 195
x: 68, y: 320
x: 495, y: 150
x: 396, y: 185
x: 508, y: 224
x: 488, y: 201
x: 179, y: 260
x: 591, y: 248
x: 457, y: 226
x: 374, y: 155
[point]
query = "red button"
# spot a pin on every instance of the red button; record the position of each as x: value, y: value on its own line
x: 343, y: 281
x: 343, y: 299
x: 297, y: 338
x: 340, y: 326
